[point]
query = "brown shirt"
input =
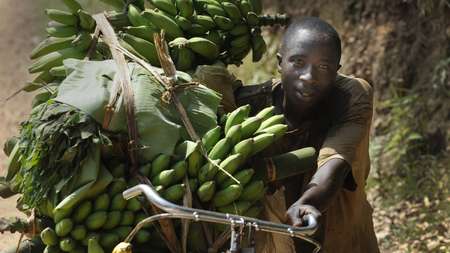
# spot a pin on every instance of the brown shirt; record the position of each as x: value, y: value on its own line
x: 339, y: 130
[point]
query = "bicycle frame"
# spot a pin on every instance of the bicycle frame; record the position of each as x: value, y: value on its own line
x: 174, y: 211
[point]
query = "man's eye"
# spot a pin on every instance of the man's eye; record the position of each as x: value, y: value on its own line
x: 299, y: 62
x: 323, y: 66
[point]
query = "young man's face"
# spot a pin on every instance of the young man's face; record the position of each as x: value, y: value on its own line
x: 308, y: 65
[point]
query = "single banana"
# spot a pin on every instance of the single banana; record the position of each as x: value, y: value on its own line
x: 223, y: 22
x: 259, y: 47
x: 63, y: 17
x: 244, y: 148
x: 54, y: 59
x: 135, y: 17
x: 206, y: 191
x: 61, y: 31
x: 243, y: 176
x: 185, y: 59
x: 234, y: 134
x: 256, y: 6
x: 204, y: 20
x: 230, y: 165
x: 185, y: 8
x: 253, y: 191
x: 249, y: 126
x: 265, y: 113
x: 49, y: 45
x: 143, y: 47
x: 238, y: 207
x: 86, y: 21
x: 278, y: 130
x: 214, y: 36
x: 162, y: 21
x: 73, y: 5
x: 204, y: 47
x: 197, y: 30
x: 232, y: 11
x: 214, y: 10
x: 252, y: 19
x: 245, y: 7
x: 240, y: 29
x: 262, y: 141
x: 221, y: 149
x: 211, y: 138
x: 275, y: 119
x: 83, y: 41
x: 237, y: 117
x: 227, y: 195
x: 143, y: 32
x: 183, y: 22
x: 241, y: 42
x: 165, y: 5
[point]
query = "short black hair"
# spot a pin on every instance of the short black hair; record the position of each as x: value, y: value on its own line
x: 324, y: 29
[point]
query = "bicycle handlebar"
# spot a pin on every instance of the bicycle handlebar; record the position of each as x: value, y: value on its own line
x: 177, y: 211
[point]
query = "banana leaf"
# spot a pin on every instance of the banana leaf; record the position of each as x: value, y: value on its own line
x: 91, y: 180
x: 159, y: 125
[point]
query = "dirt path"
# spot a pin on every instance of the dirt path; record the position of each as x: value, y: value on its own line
x: 20, y: 23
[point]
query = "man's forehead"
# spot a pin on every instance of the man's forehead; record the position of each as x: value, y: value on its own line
x: 306, y: 36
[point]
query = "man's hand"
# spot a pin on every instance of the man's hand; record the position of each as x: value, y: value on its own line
x: 295, y: 215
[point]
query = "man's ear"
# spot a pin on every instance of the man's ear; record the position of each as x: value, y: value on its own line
x: 279, y: 58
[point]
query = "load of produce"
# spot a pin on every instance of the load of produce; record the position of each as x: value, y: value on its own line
x: 74, y: 155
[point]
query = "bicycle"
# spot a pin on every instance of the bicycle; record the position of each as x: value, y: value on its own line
x: 237, y: 223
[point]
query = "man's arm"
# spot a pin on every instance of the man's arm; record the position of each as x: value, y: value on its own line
x: 321, y: 191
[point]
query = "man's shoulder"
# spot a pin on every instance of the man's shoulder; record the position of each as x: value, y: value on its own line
x: 357, y: 87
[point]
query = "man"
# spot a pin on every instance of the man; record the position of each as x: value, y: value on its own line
x: 332, y: 113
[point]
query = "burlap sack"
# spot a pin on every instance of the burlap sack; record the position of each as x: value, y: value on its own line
x: 274, y: 210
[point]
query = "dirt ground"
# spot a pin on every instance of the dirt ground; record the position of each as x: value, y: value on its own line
x: 20, y: 22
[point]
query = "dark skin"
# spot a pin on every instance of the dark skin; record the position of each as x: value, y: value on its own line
x: 308, y: 65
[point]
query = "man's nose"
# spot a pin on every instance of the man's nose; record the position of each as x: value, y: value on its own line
x: 307, y: 74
